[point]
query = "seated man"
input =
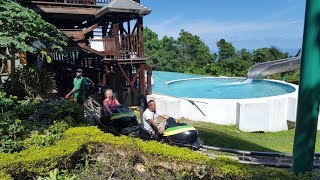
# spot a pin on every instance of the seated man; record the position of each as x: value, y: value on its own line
x: 109, y: 103
x: 150, y: 119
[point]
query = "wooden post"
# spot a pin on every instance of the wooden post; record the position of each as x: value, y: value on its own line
x: 140, y: 38
x: 142, y: 80
x: 141, y: 55
x: 105, y: 75
x: 149, y: 76
x: 115, y: 28
x: 104, y: 29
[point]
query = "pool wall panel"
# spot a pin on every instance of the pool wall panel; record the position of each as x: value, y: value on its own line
x: 253, y: 114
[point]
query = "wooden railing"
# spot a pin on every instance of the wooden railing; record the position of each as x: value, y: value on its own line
x: 129, y: 46
x: 75, y: 56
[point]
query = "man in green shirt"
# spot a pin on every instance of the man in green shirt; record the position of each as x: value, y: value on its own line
x: 78, y: 92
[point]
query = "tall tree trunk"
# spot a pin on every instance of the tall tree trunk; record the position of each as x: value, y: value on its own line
x: 12, y: 60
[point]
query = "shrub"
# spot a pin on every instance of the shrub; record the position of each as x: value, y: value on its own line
x: 56, y: 175
x: 37, y: 140
x: 29, y: 81
x: 40, y: 161
x: 4, y: 176
x: 10, y: 135
x: 13, y: 114
x: 59, y: 110
x: 19, y: 118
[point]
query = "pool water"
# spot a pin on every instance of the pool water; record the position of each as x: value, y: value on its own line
x: 197, y: 86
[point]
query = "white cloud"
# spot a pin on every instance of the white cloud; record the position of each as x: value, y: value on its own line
x: 267, y: 33
x: 291, y: 9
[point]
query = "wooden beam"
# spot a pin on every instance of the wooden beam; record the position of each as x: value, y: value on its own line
x: 91, y: 28
x: 115, y: 28
x: 85, y: 47
x: 128, y: 23
x: 123, y: 29
x: 140, y: 34
x: 104, y: 28
x: 63, y: 10
x: 128, y: 80
x: 134, y: 28
x: 149, y: 76
x: 135, y: 77
x: 141, y: 80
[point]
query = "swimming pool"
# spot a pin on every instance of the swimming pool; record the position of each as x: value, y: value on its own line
x: 195, y: 86
x: 258, y: 105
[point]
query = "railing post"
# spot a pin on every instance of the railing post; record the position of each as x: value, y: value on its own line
x: 309, y: 89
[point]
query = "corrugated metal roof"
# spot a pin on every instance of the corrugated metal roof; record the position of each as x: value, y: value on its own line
x: 126, y: 6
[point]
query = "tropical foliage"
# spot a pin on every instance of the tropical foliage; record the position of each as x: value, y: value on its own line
x: 23, y: 30
x: 189, y: 54
x: 31, y: 123
x: 30, y: 81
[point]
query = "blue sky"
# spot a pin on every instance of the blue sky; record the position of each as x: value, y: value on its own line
x: 247, y: 24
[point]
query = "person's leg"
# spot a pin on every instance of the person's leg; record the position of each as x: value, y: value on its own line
x: 170, y: 122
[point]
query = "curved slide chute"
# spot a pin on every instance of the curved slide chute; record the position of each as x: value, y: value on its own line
x: 273, y: 67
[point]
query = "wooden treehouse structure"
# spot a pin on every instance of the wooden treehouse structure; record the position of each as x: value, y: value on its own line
x: 105, y: 39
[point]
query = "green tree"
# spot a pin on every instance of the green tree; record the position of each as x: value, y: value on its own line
x: 169, y: 55
x: 275, y: 53
x: 21, y: 29
x: 244, y: 54
x: 233, y: 67
x: 193, y: 49
x: 226, y: 49
x: 152, y: 46
x: 268, y: 54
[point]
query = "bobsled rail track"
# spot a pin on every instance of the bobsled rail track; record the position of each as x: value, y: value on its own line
x: 272, y: 159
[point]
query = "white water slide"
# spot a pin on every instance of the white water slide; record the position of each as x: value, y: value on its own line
x: 273, y: 67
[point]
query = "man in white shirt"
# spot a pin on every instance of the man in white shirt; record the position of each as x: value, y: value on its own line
x: 150, y: 119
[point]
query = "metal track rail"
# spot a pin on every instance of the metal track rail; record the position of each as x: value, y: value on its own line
x: 272, y: 159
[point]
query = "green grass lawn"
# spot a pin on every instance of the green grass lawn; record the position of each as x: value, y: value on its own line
x: 231, y: 137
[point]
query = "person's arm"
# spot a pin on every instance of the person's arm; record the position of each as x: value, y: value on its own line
x: 117, y: 102
x: 74, y: 89
x: 155, y: 124
x: 71, y: 92
x: 163, y: 115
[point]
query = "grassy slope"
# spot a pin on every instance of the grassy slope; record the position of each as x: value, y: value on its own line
x: 231, y: 137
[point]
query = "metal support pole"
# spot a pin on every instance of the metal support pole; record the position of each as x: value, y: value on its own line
x: 309, y: 92
x: 283, y: 76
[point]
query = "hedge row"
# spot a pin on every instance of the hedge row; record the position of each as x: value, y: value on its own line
x: 65, y: 153
x: 5, y: 176
x: 31, y: 162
